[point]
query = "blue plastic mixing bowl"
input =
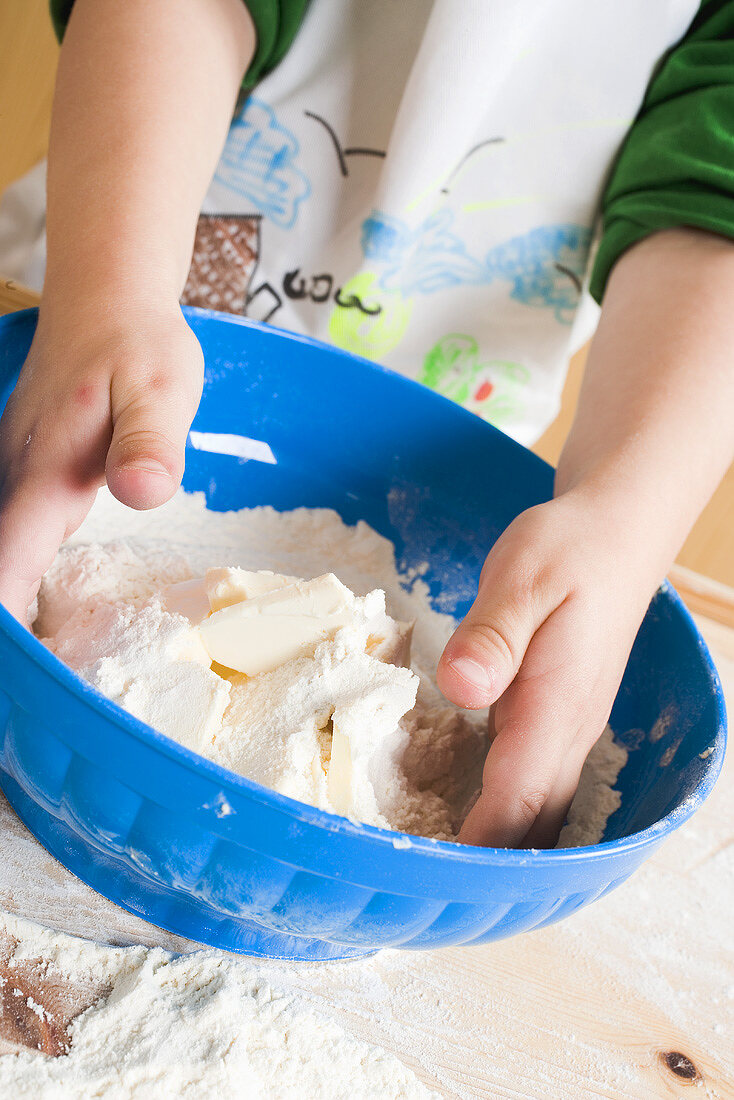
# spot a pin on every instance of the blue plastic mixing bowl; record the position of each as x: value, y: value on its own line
x: 142, y: 820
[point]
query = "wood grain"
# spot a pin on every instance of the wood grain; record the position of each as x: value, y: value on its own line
x: 13, y: 296
x: 704, y: 595
x: 37, y: 1003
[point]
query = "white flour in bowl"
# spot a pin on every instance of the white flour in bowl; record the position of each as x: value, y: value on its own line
x: 101, y: 610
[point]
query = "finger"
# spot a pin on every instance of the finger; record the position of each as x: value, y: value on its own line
x: 36, y: 517
x: 506, y: 809
x: 486, y: 650
x: 483, y: 655
x: 48, y: 484
x: 546, y: 828
x: 145, y: 461
x: 544, y: 724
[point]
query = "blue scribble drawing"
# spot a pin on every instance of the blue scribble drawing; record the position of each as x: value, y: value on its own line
x: 259, y: 162
x: 545, y: 266
x: 422, y: 260
x: 385, y: 238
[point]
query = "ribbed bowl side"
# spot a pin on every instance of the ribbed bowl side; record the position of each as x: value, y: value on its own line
x: 158, y: 858
x: 179, y: 874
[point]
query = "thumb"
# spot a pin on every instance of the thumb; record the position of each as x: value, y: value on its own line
x: 145, y: 461
x: 486, y: 650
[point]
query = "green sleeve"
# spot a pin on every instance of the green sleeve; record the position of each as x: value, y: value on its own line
x: 276, y: 25
x: 676, y: 166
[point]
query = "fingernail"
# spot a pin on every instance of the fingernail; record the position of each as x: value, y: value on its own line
x: 476, y: 676
x: 146, y: 466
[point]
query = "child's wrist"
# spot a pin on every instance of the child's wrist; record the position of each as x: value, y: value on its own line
x: 108, y: 284
x: 80, y: 308
x: 624, y: 522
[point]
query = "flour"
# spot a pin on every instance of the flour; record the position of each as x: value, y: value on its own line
x: 193, y: 1027
x: 596, y: 799
x: 101, y: 609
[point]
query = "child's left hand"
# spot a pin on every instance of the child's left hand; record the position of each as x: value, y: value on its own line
x: 545, y: 644
x: 565, y: 588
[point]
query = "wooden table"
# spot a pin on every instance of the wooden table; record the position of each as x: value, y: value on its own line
x: 631, y: 998
x: 603, y: 1004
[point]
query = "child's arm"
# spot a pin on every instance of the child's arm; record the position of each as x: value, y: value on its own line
x: 566, y: 586
x: 144, y: 97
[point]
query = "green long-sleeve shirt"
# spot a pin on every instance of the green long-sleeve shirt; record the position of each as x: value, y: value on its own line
x: 676, y: 166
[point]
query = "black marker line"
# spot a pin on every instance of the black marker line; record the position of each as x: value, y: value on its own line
x: 334, y: 138
x: 474, y: 149
x: 322, y: 294
x: 342, y: 154
x: 279, y: 301
x: 257, y: 218
x: 289, y: 287
x: 571, y: 274
x: 345, y: 303
x: 352, y: 301
x: 359, y: 150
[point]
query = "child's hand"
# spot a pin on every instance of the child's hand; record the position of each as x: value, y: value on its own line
x: 143, y: 102
x: 102, y: 398
x: 546, y: 640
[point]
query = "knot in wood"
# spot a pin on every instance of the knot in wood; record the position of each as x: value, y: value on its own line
x: 680, y: 1065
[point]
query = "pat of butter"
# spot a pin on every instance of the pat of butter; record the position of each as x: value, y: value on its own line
x: 227, y: 586
x: 187, y: 598
x: 393, y: 647
x: 339, y: 776
x: 260, y: 634
x: 196, y: 598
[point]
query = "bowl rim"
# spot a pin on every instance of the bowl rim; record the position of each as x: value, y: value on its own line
x: 409, y: 843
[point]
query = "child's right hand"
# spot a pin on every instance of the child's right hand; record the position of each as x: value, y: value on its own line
x: 99, y: 397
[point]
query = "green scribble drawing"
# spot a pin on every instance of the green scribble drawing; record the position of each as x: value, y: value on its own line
x: 372, y: 337
x: 498, y: 204
x: 492, y: 388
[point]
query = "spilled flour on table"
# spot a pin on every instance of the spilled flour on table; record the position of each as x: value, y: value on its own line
x: 101, y: 610
x: 189, y: 1027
